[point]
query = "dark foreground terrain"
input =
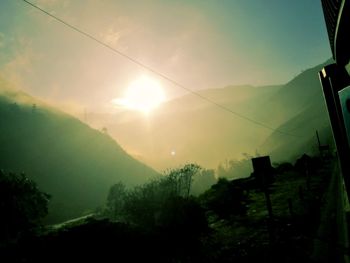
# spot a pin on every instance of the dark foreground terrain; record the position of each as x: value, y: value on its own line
x: 213, y: 227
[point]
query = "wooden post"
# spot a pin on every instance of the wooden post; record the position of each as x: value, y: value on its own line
x: 263, y: 172
x: 267, y: 195
x: 262, y: 169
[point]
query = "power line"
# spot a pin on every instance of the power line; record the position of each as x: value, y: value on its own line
x: 135, y: 61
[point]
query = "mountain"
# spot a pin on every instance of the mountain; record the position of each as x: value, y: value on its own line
x: 192, y: 128
x: 69, y: 160
x: 77, y: 164
x: 304, y: 113
x: 196, y: 130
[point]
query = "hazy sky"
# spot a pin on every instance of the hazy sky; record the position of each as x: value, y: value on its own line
x: 198, y: 43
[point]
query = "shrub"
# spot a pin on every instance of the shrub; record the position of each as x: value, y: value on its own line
x: 22, y: 205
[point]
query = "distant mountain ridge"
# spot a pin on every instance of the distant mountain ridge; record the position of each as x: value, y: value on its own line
x: 199, y: 131
x: 68, y: 159
x: 303, y: 97
x: 77, y: 164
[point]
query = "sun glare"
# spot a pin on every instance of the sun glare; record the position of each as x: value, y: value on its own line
x: 144, y: 95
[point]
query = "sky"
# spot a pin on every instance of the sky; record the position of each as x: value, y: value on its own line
x: 200, y: 44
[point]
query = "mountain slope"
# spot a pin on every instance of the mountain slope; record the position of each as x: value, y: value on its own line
x: 68, y: 159
x: 297, y: 95
x: 304, y: 113
x: 199, y: 131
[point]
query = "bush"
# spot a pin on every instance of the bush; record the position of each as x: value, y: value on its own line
x: 163, y: 202
x: 225, y: 199
x: 115, y: 202
x: 183, y: 216
x: 22, y: 205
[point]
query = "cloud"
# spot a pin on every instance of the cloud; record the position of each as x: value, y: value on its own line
x: 111, y: 37
x: 20, y: 64
x: 117, y: 34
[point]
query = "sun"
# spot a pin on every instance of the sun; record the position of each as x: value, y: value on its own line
x: 144, y: 94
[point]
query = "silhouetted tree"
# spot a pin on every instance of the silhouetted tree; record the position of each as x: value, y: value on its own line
x: 143, y: 204
x: 116, y: 200
x: 181, y: 179
x: 22, y: 205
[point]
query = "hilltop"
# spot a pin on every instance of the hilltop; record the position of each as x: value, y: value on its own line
x: 69, y: 160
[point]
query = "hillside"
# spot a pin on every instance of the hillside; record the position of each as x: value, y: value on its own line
x: 304, y: 113
x: 69, y: 160
x: 194, y: 129
x: 198, y: 131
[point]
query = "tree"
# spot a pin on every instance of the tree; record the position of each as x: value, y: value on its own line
x: 116, y: 200
x: 22, y: 205
x: 143, y: 204
x: 181, y: 179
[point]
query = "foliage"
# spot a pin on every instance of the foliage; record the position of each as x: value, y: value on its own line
x: 22, y: 204
x: 182, y: 216
x: 179, y: 232
x: 180, y: 180
x: 144, y: 205
x: 225, y: 198
x: 115, y: 201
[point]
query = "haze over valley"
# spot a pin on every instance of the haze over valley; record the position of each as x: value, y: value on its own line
x: 191, y: 129
x: 148, y: 103
x: 72, y: 161
x: 129, y: 131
